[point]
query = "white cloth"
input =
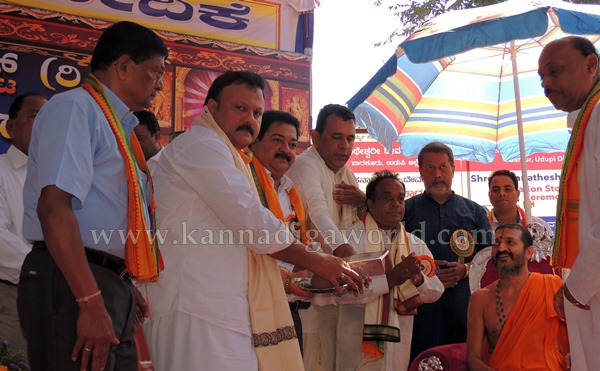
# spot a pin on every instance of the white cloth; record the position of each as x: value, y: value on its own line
x: 351, y: 318
x: 152, y: 161
x: 584, y: 281
x: 13, y: 247
x: 175, y: 353
x: 534, y: 219
x: 316, y: 183
x: 202, y: 201
x: 285, y: 185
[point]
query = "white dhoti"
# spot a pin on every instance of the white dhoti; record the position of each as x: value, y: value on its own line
x: 188, y: 343
x: 319, y: 326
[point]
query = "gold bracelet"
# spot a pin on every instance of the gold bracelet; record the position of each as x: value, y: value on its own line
x: 467, y: 268
x: 85, y: 299
x: 287, y: 284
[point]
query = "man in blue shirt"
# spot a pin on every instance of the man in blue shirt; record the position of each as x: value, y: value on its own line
x: 454, y: 228
x: 82, y: 192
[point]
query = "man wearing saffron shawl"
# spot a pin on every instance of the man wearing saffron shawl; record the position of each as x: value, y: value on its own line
x: 85, y: 193
x: 512, y: 324
x: 568, y: 69
x: 273, y: 153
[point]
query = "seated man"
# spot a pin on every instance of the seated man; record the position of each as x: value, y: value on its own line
x: 512, y: 324
x: 382, y: 230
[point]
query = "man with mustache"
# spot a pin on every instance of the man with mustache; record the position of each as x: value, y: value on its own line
x: 273, y: 153
x: 512, y: 324
x: 453, y: 228
x: 332, y: 199
x: 220, y: 303
x: 568, y: 69
x: 395, y: 295
x: 504, y: 195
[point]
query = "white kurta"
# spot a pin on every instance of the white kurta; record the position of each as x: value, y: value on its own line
x: 350, y: 329
x: 315, y: 183
x: 152, y: 161
x: 13, y: 247
x: 202, y: 201
x: 584, y: 281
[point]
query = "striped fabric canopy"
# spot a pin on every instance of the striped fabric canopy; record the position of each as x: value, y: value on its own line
x: 465, y: 100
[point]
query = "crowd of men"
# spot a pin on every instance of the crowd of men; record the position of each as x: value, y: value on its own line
x: 251, y: 229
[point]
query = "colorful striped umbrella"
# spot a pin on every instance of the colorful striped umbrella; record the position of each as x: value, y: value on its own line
x: 481, y: 100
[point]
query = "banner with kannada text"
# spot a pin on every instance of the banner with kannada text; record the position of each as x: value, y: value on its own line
x: 50, y: 52
x: 270, y: 24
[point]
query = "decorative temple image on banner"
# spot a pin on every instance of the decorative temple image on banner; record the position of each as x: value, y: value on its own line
x: 46, y: 46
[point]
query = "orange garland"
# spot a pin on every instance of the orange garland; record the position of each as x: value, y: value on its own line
x: 142, y: 256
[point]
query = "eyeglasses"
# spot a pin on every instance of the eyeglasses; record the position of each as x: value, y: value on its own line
x: 157, y: 72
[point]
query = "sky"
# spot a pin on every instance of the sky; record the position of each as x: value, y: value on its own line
x: 344, y: 55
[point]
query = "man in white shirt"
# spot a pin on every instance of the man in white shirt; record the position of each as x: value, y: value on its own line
x: 13, y: 247
x: 331, y: 197
x: 504, y: 195
x: 148, y: 134
x: 568, y: 69
x: 361, y: 343
x: 220, y: 303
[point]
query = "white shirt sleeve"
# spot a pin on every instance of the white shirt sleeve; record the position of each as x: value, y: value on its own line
x: 308, y: 179
x: 227, y: 192
x: 13, y: 246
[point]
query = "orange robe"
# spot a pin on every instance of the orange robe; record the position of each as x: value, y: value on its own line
x: 533, y: 338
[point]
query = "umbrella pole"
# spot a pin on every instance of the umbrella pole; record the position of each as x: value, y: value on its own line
x: 526, y: 202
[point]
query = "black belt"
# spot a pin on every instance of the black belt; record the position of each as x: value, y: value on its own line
x: 105, y: 260
x: 296, y: 305
x: 8, y: 283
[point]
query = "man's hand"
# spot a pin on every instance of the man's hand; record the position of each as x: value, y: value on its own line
x: 344, y: 250
x: 142, y: 311
x: 95, y: 331
x: 347, y: 194
x: 450, y: 272
x: 333, y: 268
x: 95, y: 334
x: 407, y: 269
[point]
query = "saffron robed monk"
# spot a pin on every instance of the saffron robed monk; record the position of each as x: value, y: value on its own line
x: 512, y: 323
x: 220, y: 303
x: 76, y: 300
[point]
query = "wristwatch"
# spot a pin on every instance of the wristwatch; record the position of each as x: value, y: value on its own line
x: 363, y: 208
x: 567, y: 294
